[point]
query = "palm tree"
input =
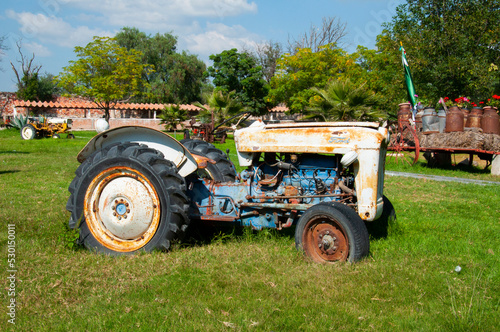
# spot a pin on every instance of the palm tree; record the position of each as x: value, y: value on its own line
x: 172, y: 116
x: 221, y: 106
x: 343, y: 101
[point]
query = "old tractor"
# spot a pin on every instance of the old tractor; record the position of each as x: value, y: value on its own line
x: 43, y: 127
x: 138, y: 189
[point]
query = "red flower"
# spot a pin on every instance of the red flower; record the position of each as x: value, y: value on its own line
x: 481, y: 102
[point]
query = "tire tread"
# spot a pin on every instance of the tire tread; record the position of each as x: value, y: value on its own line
x: 164, y: 171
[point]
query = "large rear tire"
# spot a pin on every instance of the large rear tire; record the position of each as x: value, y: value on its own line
x: 128, y: 198
x: 222, y: 171
x: 332, y: 232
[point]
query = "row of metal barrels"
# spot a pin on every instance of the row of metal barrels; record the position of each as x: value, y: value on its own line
x: 429, y: 121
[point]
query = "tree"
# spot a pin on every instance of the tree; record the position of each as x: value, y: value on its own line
x: 177, y: 77
x: 105, y: 72
x: 221, y: 106
x: 382, y: 73
x: 172, y: 116
x: 3, y: 48
x: 453, y: 47
x: 331, y: 32
x: 344, y: 101
x: 31, y: 85
x: 267, y: 56
x: 296, y: 74
x: 233, y: 71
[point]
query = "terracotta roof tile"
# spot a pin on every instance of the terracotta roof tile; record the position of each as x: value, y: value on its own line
x: 279, y: 109
x: 84, y: 104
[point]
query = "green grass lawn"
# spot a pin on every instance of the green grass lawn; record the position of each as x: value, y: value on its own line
x: 246, y: 281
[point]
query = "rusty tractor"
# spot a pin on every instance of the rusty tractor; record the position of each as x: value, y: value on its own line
x: 138, y: 189
x: 46, y: 128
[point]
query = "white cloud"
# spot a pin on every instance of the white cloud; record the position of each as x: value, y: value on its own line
x: 219, y: 37
x: 167, y: 10
x: 37, y: 49
x: 54, y: 30
x: 161, y: 15
x: 184, y: 18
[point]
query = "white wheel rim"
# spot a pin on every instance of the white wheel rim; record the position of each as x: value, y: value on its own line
x: 27, y: 132
x: 122, y: 209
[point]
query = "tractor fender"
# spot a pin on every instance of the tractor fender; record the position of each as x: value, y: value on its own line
x: 171, y: 148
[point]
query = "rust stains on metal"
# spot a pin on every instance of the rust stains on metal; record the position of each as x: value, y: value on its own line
x: 124, y: 216
x: 284, y: 206
x: 291, y: 191
x: 202, y: 161
x: 218, y: 218
x: 320, y: 139
x: 324, y: 240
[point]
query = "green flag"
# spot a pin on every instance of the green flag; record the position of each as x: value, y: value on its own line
x: 409, y: 81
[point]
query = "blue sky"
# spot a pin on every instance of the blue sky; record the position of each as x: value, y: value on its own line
x: 51, y: 29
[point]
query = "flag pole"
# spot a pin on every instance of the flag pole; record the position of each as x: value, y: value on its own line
x: 409, y: 81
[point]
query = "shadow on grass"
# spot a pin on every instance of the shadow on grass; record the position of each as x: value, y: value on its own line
x: 9, y: 172
x: 386, y: 225
x: 200, y: 233
x: 13, y: 152
x: 446, y: 161
x: 466, y: 168
x: 378, y: 229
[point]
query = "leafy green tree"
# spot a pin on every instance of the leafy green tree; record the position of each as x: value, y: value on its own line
x: 105, y: 72
x: 296, y: 74
x: 452, y: 46
x: 344, y: 101
x: 233, y: 71
x: 47, y: 87
x: 177, y: 77
x: 382, y: 73
x: 172, y: 116
x: 28, y: 88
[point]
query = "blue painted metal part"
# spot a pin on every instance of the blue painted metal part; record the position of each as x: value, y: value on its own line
x: 121, y: 208
x: 268, y: 196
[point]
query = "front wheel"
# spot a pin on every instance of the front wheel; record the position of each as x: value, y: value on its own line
x: 128, y: 198
x: 28, y: 132
x: 331, y: 232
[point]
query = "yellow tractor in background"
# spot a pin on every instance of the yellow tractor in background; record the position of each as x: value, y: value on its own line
x: 42, y: 127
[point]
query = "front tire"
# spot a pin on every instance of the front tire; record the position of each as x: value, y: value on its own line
x: 128, y: 198
x: 332, y: 232
x: 28, y: 132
